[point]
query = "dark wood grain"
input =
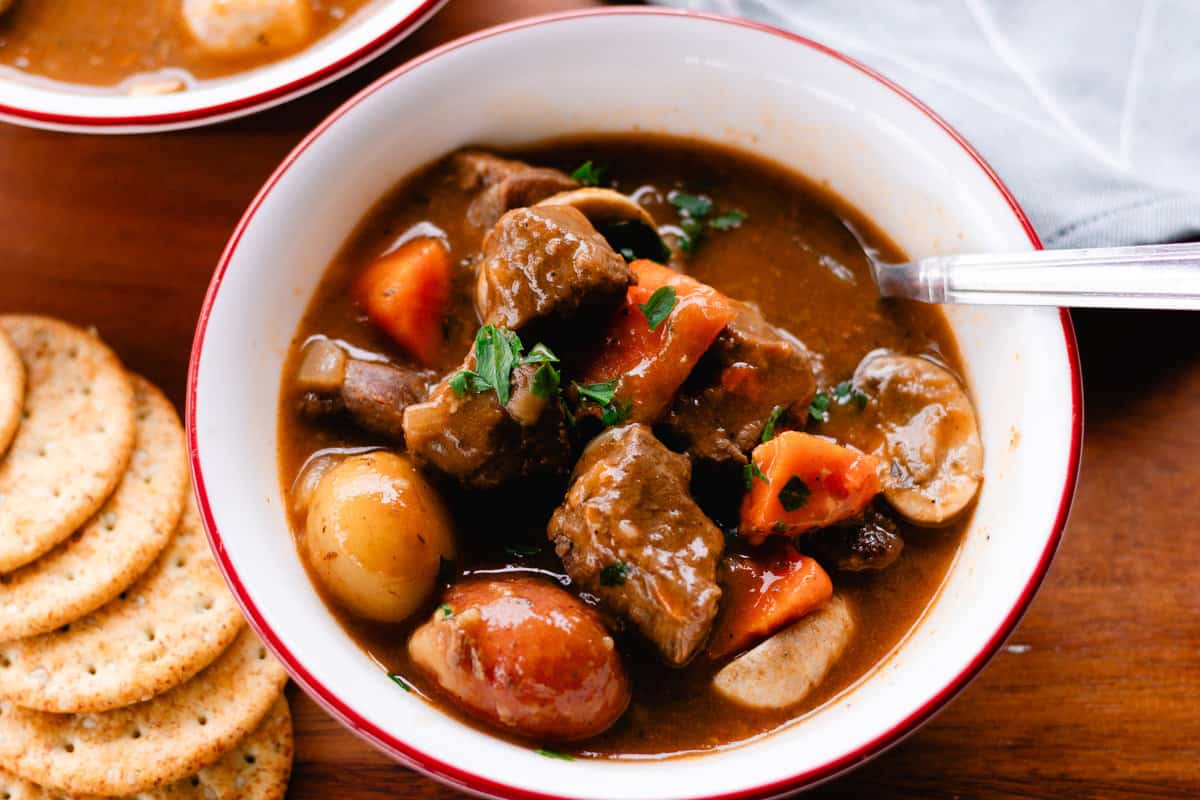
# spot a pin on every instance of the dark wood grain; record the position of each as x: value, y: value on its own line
x: 1100, y: 697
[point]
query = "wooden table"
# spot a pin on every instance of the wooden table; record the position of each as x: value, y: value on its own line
x: 1098, y: 694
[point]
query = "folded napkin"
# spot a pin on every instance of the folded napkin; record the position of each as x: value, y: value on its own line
x: 1090, y: 111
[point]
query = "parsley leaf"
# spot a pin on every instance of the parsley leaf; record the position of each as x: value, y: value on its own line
x: 727, y: 220
x: 614, y: 574
x: 589, y: 173
x: 396, y: 679
x: 601, y: 393
x: 794, y: 494
x: 468, y: 381
x: 522, y: 550
x: 659, y: 306
x: 540, y: 354
x: 691, y: 204
x: 750, y: 472
x: 545, y: 381
x: 446, y: 610
x: 542, y: 751
x: 616, y: 413
x: 772, y: 422
x: 846, y: 392
x: 819, y: 408
x: 496, y: 353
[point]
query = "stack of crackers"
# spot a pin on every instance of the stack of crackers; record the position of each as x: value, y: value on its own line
x: 125, y: 665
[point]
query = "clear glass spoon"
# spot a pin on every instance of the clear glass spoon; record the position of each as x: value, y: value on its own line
x: 1165, y: 276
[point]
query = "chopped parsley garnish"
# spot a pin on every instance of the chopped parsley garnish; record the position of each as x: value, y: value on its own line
x: 750, y: 472
x: 694, y: 205
x: 600, y: 393
x: 694, y: 212
x: 589, y: 173
x: 772, y: 422
x: 659, y: 306
x: 396, y: 679
x: 542, y: 751
x: 794, y: 494
x: 819, y: 408
x: 522, y: 550
x: 616, y: 413
x: 446, y: 610
x: 846, y: 393
x: 614, y: 574
x: 497, y: 351
x: 546, y: 381
x: 728, y: 220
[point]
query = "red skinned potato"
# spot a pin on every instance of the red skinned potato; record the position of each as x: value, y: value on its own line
x: 525, y: 656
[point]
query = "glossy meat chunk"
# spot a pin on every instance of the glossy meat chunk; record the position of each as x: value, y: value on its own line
x: 630, y: 533
x: 548, y: 265
x: 373, y: 395
x: 503, y: 184
x: 751, y: 369
x: 483, y: 444
x: 526, y: 656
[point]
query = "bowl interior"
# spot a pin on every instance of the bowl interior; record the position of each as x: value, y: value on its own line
x: 365, y: 34
x: 790, y: 101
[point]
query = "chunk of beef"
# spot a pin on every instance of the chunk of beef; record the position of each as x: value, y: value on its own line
x: 629, y: 533
x: 548, y: 265
x: 752, y: 368
x: 503, y: 184
x: 862, y: 544
x: 371, y: 394
x: 483, y: 444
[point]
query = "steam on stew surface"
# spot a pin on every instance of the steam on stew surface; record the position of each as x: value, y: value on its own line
x: 609, y: 445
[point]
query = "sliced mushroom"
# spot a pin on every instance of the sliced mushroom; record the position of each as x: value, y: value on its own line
x: 930, y: 437
x: 784, y: 669
x: 628, y: 227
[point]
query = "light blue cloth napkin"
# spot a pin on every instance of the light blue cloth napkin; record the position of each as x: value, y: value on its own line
x: 1089, y: 110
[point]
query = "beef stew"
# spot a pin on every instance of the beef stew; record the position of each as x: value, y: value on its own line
x: 661, y: 396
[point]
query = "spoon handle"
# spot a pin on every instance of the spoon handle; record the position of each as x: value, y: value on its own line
x: 1163, y: 276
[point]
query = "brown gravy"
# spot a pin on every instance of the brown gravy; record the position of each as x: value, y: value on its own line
x: 796, y: 258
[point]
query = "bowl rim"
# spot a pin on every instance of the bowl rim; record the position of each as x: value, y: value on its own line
x: 236, y: 107
x: 476, y: 784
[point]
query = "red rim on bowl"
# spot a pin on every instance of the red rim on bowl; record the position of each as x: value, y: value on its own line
x: 468, y: 781
x: 254, y: 102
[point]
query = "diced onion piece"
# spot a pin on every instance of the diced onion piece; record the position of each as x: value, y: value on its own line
x: 322, y: 366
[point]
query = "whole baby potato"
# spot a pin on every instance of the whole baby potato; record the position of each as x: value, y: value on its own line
x: 244, y: 27
x: 376, y: 535
x: 526, y: 656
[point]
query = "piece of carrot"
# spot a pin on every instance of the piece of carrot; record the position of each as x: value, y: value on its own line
x: 405, y: 294
x: 651, y: 364
x: 804, y: 482
x: 763, y: 592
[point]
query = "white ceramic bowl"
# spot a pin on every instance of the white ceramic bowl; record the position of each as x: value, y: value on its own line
x: 376, y: 27
x: 624, y: 70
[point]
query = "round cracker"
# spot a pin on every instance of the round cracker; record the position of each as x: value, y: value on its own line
x: 74, y: 439
x: 151, y: 744
x: 257, y: 769
x: 12, y: 391
x: 119, y: 543
x: 106, y: 660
